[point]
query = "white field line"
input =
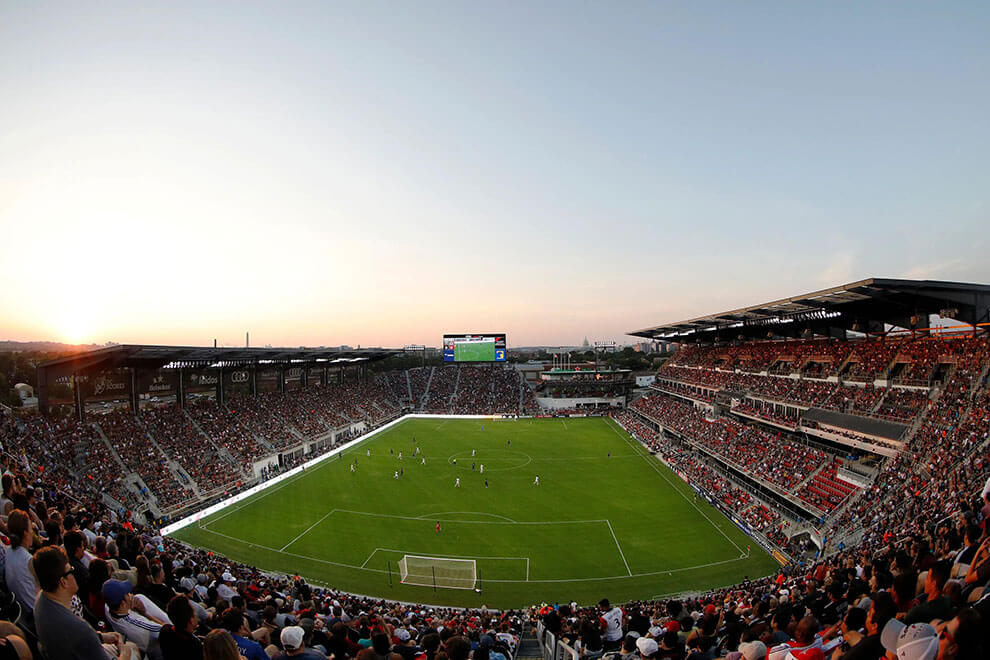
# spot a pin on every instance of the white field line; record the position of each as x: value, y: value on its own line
x: 548, y: 581
x: 439, y: 516
x: 564, y: 423
x: 621, y: 554
x: 474, y: 522
x: 652, y: 463
x: 325, y: 516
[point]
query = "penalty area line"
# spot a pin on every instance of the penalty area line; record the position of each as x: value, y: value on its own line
x: 325, y: 516
x: 621, y: 554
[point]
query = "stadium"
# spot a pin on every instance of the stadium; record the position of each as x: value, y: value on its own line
x: 494, y: 331
x: 779, y: 447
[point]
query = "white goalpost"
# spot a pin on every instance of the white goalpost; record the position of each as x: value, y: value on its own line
x: 437, y: 571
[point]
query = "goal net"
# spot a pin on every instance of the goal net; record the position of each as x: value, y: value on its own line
x: 439, y: 571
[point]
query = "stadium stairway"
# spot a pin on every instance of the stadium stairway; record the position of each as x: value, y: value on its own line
x: 221, y: 451
x: 409, y: 389
x: 457, y: 383
x: 529, y: 648
x: 807, y: 480
x: 106, y: 441
x: 426, y: 391
x: 975, y: 386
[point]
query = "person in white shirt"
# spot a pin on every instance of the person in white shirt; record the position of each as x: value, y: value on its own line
x: 612, y: 620
x: 225, y: 591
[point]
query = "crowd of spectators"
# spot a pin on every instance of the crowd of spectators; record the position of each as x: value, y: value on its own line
x: 139, y: 454
x: 700, y: 372
x: 221, y: 425
x: 103, y: 585
x: 194, y: 451
x: 766, y: 456
x: 419, y: 379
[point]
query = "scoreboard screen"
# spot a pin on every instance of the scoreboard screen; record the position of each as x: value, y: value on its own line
x: 474, y: 348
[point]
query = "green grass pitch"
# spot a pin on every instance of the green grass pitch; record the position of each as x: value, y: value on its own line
x: 607, y: 519
x: 474, y: 351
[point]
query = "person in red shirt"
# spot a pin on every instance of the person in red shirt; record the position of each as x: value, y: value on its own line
x: 438, y: 527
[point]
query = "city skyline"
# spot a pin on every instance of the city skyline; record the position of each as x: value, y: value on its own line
x: 380, y: 174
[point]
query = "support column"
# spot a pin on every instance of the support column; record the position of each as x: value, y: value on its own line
x: 135, y: 404
x: 78, y: 398
x: 281, y: 380
x: 221, y: 397
x: 254, y: 379
x: 180, y: 391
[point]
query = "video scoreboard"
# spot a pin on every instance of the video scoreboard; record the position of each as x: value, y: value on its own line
x: 474, y: 348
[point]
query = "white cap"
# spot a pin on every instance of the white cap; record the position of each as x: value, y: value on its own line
x: 647, y: 646
x: 919, y: 641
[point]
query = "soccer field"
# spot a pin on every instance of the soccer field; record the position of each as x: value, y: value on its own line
x: 606, y: 520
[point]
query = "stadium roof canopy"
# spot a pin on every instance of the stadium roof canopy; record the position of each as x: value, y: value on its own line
x: 868, y: 306
x: 196, y: 357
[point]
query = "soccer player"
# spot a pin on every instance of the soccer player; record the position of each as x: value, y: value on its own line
x: 438, y: 527
x: 352, y: 467
x: 472, y: 466
x: 395, y: 475
x: 486, y: 482
x: 482, y: 469
x: 401, y: 472
x: 400, y: 455
x: 423, y: 461
x: 472, y: 453
x: 457, y: 482
x: 536, y: 482
x: 369, y: 453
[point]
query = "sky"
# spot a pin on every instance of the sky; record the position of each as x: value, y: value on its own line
x: 377, y: 174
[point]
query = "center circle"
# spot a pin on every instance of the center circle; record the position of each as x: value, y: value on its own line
x: 494, y: 460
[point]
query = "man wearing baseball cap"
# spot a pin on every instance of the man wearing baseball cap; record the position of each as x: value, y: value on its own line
x: 130, y: 616
x: 293, y: 641
x: 918, y: 641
